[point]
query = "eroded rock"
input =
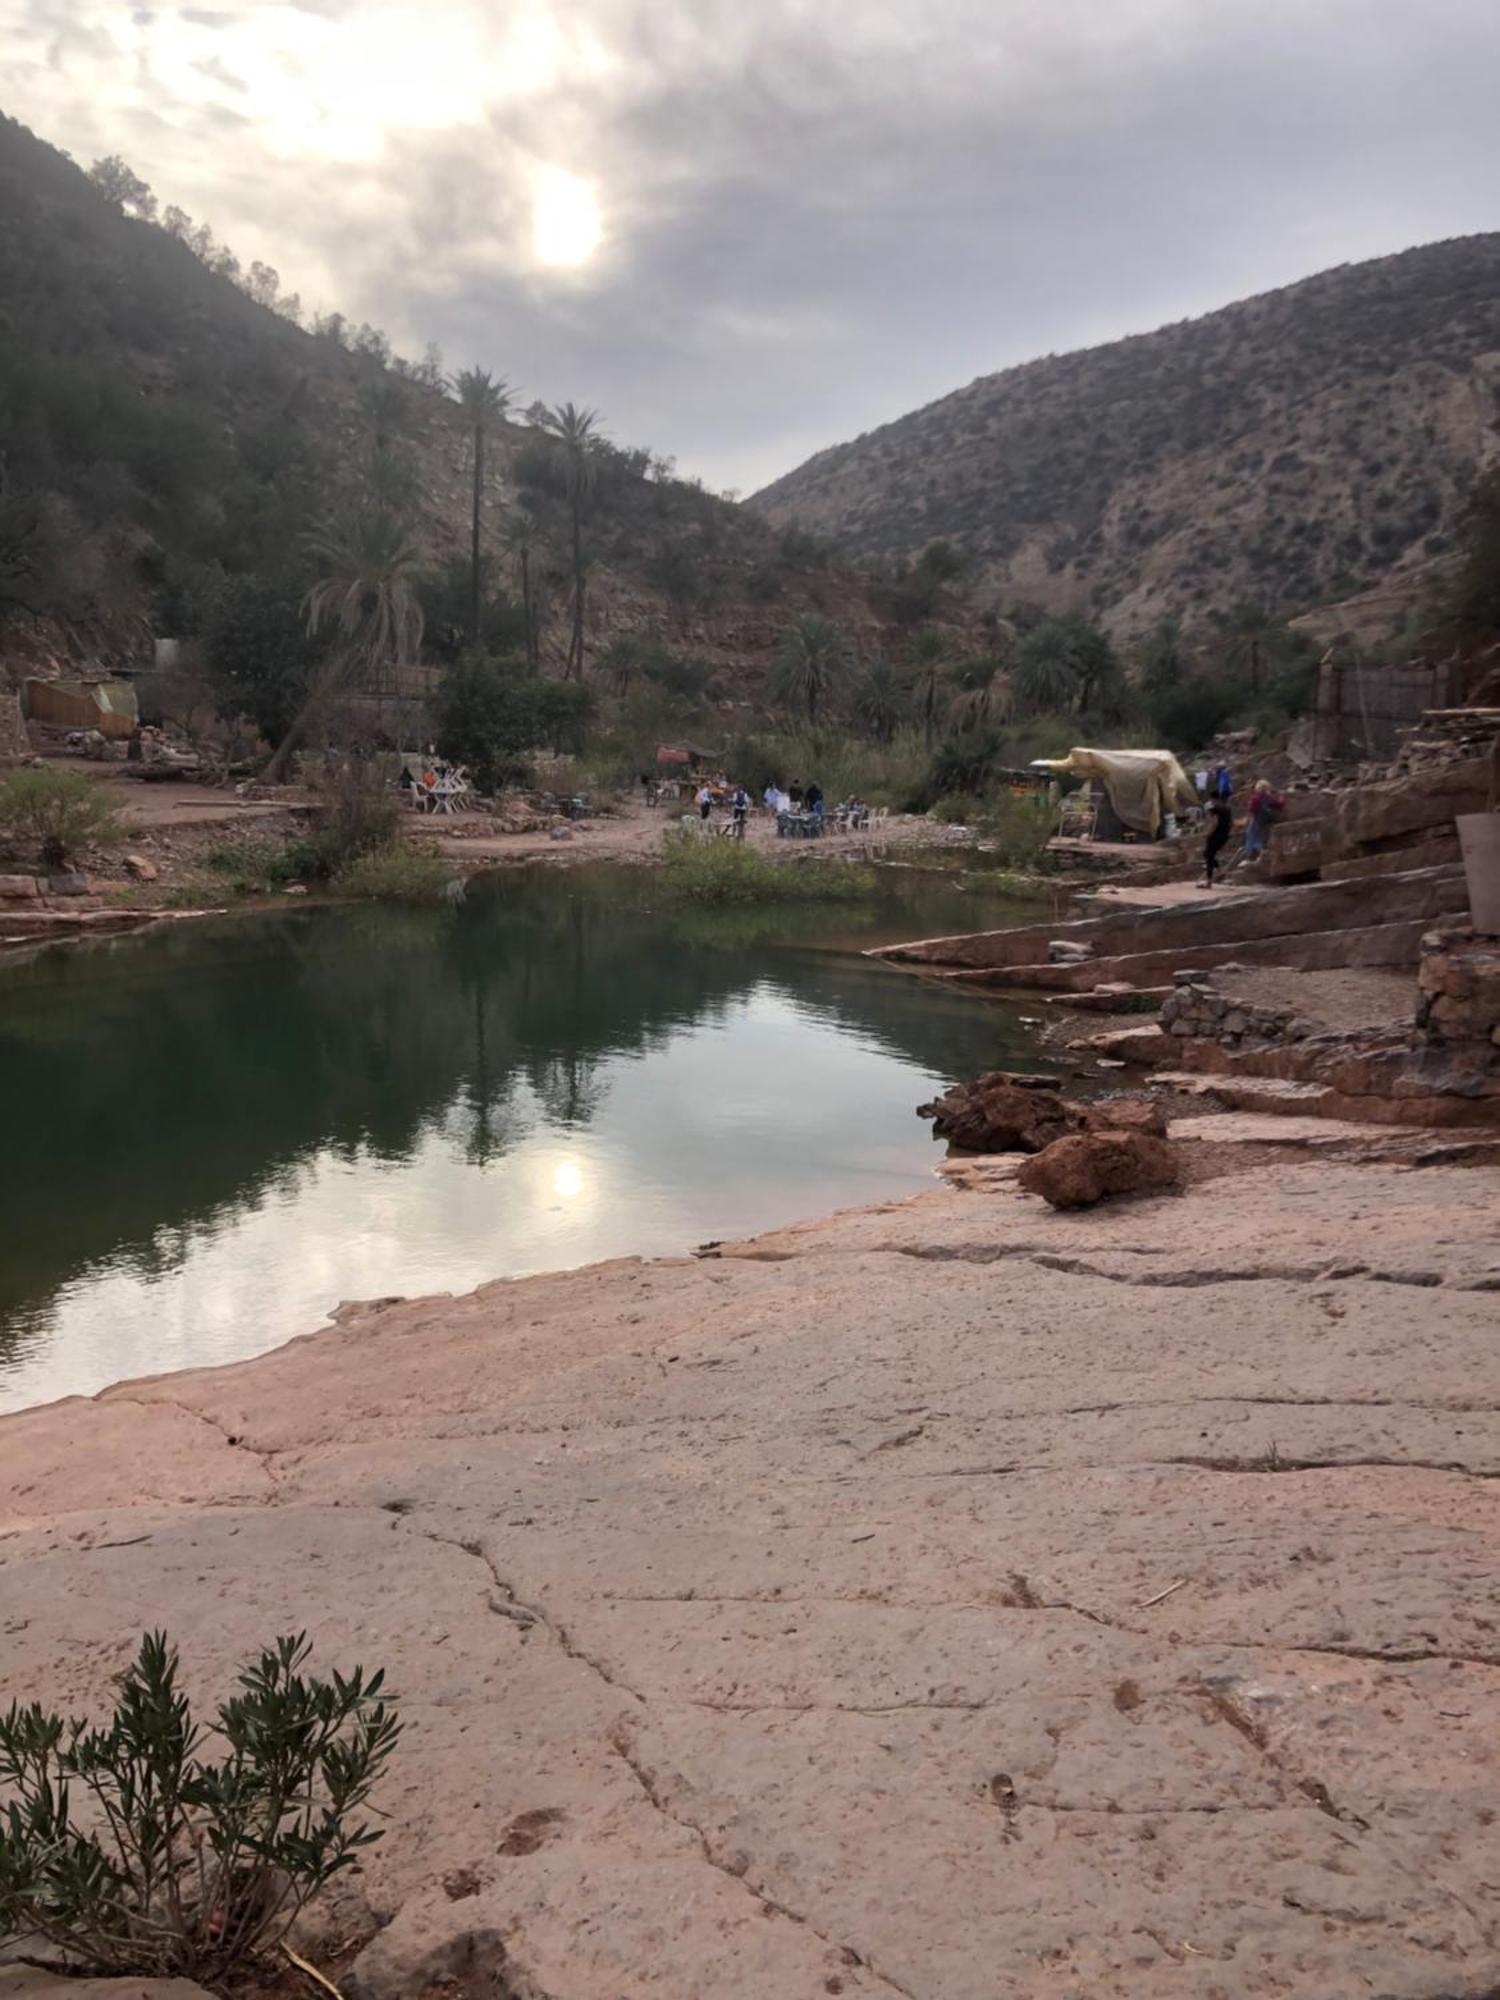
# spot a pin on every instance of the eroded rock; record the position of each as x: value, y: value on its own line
x: 998, y: 1114
x: 1085, y: 1167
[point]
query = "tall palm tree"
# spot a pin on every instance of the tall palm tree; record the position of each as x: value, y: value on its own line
x: 880, y: 700
x: 366, y: 598
x: 484, y: 401
x: 522, y: 531
x: 1252, y: 636
x: 928, y: 657
x: 983, y: 698
x: 811, y: 662
x: 577, y: 431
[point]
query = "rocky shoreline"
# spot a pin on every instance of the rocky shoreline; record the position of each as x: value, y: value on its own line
x: 941, y: 1599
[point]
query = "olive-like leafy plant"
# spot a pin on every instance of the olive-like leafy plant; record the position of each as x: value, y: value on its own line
x: 126, y: 1850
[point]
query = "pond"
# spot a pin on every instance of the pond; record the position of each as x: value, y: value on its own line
x: 220, y: 1129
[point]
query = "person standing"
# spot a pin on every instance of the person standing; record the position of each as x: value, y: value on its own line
x: 1223, y: 782
x: 704, y: 800
x: 741, y: 808
x: 1260, y: 816
x: 1220, y: 819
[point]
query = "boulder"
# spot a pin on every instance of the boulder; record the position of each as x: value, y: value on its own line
x: 998, y: 1114
x: 17, y: 888
x: 1085, y: 1167
x: 1127, y: 1114
x: 142, y: 869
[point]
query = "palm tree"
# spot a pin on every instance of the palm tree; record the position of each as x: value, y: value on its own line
x: 577, y: 431
x: 484, y: 401
x: 1161, y: 669
x: 880, y: 700
x: 811, y: 662
x: 366, y: 596
x: 1065, y: 662
x: 521, y: 533
x: 928, y: 658
x: 1252, y: 635
x: 983, y: 698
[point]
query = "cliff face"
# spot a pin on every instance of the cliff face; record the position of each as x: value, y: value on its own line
x: 1288, y: 450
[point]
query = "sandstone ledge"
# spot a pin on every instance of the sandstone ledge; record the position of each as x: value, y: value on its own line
x: 948, y: 1599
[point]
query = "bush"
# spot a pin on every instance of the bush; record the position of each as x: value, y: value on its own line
x: 251, y: 864
x: 187, y: 1865
x: 400, y: 873
x: 492, y: 714
x: 359, y: 814
x: 1015, y: 830
x: 699, y: 870
x: 60, y: 810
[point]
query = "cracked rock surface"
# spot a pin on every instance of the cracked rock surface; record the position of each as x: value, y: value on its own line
x: 952, y: 1599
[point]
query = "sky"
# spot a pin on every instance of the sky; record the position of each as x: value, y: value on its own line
x: 746, y: 229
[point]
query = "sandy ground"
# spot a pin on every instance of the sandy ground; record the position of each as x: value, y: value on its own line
x: 1343, y: 1000
x: 947, y: 1600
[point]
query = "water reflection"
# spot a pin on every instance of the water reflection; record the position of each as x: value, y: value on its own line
x: 225, y: 1129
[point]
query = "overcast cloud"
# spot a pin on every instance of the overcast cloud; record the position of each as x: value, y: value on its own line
x: 814, y: 214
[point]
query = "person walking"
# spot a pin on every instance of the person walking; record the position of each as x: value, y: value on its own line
x: 1220, y: 819
x: 1260, y: 817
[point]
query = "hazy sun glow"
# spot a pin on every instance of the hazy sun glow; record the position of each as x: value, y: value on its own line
x: 565, y: 225
x: 567, y: 1180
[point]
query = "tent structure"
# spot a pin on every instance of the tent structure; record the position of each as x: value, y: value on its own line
x: 1142, y: 786
x: 106, y: 705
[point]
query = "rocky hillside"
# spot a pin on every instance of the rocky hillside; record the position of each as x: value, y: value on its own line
x: 1298, y: 447
x: 162, y: 426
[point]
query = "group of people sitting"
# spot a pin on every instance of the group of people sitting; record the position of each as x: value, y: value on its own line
x: 797, y: 810
x: 1216, y: 792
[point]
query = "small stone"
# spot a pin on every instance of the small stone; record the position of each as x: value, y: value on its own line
x: 142, y: 869
x: 295, y: 889
x: 1237, y: 1022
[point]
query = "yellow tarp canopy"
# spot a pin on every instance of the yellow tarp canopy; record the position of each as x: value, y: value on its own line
x: 1143, y: 785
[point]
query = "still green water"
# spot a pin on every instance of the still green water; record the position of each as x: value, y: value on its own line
x: 219, y: 1130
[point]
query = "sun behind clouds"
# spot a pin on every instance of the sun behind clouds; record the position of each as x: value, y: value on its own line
x: 565, y: 222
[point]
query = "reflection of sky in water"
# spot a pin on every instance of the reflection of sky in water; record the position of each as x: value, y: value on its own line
x: 763, y: 1110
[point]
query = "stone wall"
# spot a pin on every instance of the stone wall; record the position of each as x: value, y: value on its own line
x: 14, y: 742
x: 1196, y: 1009
x: 1459, y: 982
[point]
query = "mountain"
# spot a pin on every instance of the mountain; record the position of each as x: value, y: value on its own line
x: 1299, y: 447
x: 166, y: 423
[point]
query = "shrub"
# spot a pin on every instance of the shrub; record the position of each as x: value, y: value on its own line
x: 60, y: 810
x: 358, y: 814
x: 186, y: 1864
x: 727, y: 871
x: 400, y: 873
x: 247, y: 864
x: 1015, y: 830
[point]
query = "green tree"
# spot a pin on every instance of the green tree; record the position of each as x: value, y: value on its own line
x: 258, y: 654
x: 1476, y: 596
x: 880, y: 700
x: 522, y: 534
x: 1162, y: 659
x: 811, y: 662
x: 1066, y: 662
x: 929, y: 659
x: 124, y: 187
x: 1252, y: 638
x: 983, y: 699
x: 577, y: 432
x: 365, y: 599
x: 484, y: 402
x: 492, y: 714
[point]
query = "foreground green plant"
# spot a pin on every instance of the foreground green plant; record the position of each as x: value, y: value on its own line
x: 728, y: 871
x: 398, y: 874
x: 128, y: 1852
x: 59, y: 810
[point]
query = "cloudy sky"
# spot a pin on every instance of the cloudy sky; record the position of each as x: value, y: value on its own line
x: 748, y: 228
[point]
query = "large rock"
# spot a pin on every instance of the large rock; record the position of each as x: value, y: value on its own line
x: 1087, y: 1166
x: 996, y: 1114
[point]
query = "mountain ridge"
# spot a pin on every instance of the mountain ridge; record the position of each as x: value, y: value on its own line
x: 1308, y: 443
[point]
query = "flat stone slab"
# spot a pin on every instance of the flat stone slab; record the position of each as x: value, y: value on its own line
x: 948, y: 1599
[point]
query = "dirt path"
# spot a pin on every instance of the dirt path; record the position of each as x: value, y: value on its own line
x: 946, y: 1600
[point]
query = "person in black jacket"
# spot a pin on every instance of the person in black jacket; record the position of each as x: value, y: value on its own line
x: 1220, y: 820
